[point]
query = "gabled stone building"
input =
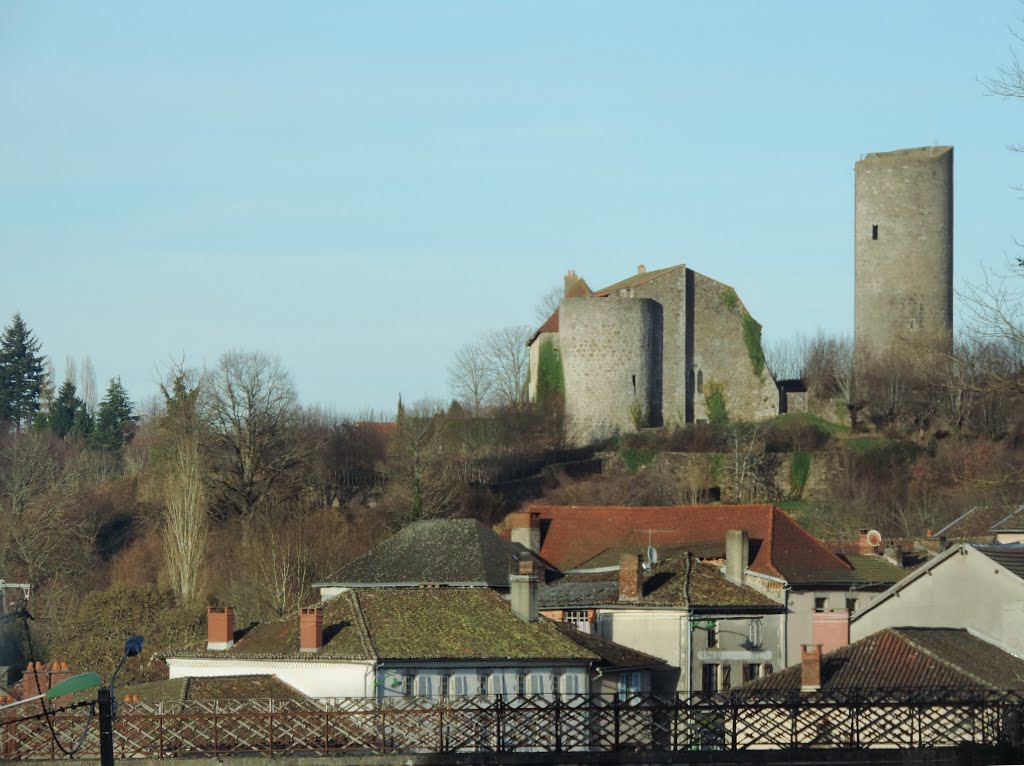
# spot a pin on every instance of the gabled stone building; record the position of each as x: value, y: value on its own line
x: 650, y: 350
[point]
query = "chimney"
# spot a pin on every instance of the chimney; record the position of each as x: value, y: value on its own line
x: 523, y: 586
x: 737, y: 554
x: 894, y: 555
x: 631, y: 578
x: 311, y: 629
x: 810, y: 668
x: 59, y: 671
x: 526, y: 529
x: 33, y: 682
x: 831, y: 630
x: 864, y: 546
x: 641, y: 269
x: 220, y: 627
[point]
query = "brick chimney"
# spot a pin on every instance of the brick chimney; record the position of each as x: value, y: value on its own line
x: 59, y: 671
x: 571, y: 279
x: 526, y: 529
x: 831, y: 630
x: 220, y: 627
x: 641, y: 269
x: 311, y: 629
x: 631, y: 578
x: 523, y: 590
x: 33, y: 682
x: 737, y: 554
x: 864, y: 547
x: 810, y: 668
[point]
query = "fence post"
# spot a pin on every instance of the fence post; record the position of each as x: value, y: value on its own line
x: 271, y: 728
x: 615, y: 719
x: 558, y: 722
x: 499, y: 723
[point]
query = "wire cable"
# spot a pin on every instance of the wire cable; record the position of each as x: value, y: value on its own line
x: 48, y: 714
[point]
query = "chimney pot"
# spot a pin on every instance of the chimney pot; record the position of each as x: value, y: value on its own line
x: 631, y: 577
x: 311, y: 629
x: 220, y: 628
x: 810, y: 668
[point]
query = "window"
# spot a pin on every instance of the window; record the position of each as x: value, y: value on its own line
x: 407, y: 685
x: 709, y: 678
x: 556, y: 682
x: 751, y: 671
x: 700, y: 381
x: 712, y: 634
x: 726, y: 677
x: 577, y: 617
x: 629, y: 684
x: 851, y: 605
x: 820, y: 604
x: 444, y: 686
x: 754, y: 633
x: 424, y: 685
x: 874, y: 231
x: 634, y: 385
x: 483, y: 684
x: 521, y: 684
x: 459, y: 684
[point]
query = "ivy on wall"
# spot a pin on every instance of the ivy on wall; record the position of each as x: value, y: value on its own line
x: 550, y: 375
x: 714, y: 403
x: 752, y: 337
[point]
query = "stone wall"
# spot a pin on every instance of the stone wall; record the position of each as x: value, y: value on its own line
x: 535, y: 360
x: 670, y: 291
x: 720, y: 355
x: 611, y: 357
x: 903, y: 245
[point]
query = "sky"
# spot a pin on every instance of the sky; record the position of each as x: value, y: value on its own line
x: 360, y: 188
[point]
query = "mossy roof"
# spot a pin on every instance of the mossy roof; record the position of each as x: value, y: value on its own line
x: 636, y: 279
x: 179, y: 690
x: 435, y: 551
x: 454, y: 624
x: 676, y: 581
x: 408, y: 623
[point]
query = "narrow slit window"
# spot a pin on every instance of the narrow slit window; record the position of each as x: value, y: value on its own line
x: 874, y: 231
x: 634, y: 385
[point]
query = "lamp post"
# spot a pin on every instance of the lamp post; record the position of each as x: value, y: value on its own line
x: 108, y: 704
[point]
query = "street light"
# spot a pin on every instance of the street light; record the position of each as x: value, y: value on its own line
x: 107, y: 701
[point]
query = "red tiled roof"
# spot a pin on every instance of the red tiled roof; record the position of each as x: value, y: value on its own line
x: 910, y: 658
x: 572, y: 535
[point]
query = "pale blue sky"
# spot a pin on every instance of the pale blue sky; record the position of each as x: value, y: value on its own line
x: 360, y: 188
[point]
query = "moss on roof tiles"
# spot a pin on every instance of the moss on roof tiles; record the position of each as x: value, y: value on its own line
x: 454, y: 623
x: 636, y: 279
x: 435, y: 551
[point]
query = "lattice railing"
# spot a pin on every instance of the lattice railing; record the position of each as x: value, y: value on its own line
x: 545, y: 723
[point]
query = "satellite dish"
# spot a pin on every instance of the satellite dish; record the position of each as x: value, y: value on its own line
x: 652, y: 555
x: 874, y: 537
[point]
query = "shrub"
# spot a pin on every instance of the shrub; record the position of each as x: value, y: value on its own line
x: 799, y: 472
x: 729, y: 298
x: 550, y: 375
x: 637, y: 458
x: 714, y: 402
x: 716, y: 464
x: 638, y: 415
x: 752, y: 337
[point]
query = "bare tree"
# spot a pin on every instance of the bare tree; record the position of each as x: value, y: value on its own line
x: 471, y: 377
x: 251, y: 408
x: 747, y: 462
x: 185, y: 519
x: 548, y: 304
x: 87, y: 384
x: 509, y: 360
x: 786, y: 358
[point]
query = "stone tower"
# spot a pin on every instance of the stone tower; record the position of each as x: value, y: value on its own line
x: 903, y: 250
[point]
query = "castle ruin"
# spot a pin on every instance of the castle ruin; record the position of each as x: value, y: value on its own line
x: 649, y: 350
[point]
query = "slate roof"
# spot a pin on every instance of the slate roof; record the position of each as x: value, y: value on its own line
x: 676, y: 581
x: 909, y: 658
x: 1010, y: 555
x: 610, y: 654
x: 983, y: 522
x: 572, y: 535
x: 435, y: 551
x: 407, y: 623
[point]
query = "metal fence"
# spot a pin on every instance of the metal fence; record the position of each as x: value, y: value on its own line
x: 547, y: 724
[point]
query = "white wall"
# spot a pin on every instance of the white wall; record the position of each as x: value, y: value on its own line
x: 314, y: 678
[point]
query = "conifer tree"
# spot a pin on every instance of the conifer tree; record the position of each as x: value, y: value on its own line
x: 114, y: 419
x: 61, y: 418
x: 21, y: 374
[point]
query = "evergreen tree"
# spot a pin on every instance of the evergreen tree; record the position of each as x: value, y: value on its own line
x: 61, y: 418
x: 81, y: 426
x: 114, y: 419
x: 21, y: 374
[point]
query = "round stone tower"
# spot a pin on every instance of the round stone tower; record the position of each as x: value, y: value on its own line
x: 903, y: 250
x: 611, y: 357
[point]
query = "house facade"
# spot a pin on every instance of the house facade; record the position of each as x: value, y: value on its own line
x: 980, y: 587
